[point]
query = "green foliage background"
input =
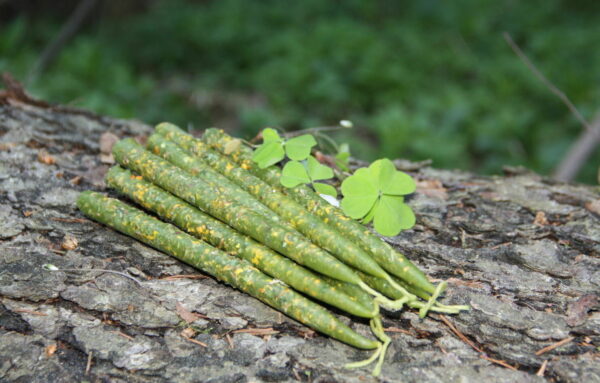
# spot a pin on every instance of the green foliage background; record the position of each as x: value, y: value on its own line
x: 422, y: 79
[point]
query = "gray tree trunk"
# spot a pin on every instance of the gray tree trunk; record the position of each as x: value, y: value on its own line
x: 523, y: 251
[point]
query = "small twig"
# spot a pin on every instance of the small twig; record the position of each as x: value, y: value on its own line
x: 50, y: 267
x: 470, y: 343
x: 230, y: 341
x: 542, y: 368
x: 69, y: 29
x: 498, y: 362
x: 31, y: 312
x: 123, y: 334
x: 257, y: 331
x: 560, y: 94
x: 300, y: 132
x: 89, y: 364
x: 437, y: 343
x: 579, y: 152
x: 329, y: 140
x: 196, y: 342
x: 396, y: 329
x: 296, y: 375
x: 69, y: 220
x: 460, y: 334
x: 184, y: 276
x: 555, y: 345
x: 569, y: 166
x: 344, y: 124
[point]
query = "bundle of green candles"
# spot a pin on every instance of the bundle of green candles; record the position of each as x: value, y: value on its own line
x: 219, y: 212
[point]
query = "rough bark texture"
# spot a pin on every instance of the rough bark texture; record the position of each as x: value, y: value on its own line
x: 521, y: 250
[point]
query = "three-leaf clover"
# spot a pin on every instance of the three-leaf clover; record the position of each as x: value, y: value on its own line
x: 274, y: 148
x: 295, y: 173
x: 376, y: 194
x: 302, y: 169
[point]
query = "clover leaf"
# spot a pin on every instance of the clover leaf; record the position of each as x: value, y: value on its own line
x: 390, y: 180
x: 392, y: 215
x: 325, y: 189
x: 298, y: 148
x: 375, y: 194
x: 360, y: 193
x: 302, y: 169
x: 270, y: 135
x: 271, y: 151
x: 295, y: 173
x: 318, y: 171
x: 371, y: 214
x: 274, y: 148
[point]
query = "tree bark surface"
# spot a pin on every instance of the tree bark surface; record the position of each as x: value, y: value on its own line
x: 523, y: 251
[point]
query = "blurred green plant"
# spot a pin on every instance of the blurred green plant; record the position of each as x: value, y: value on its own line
x: 427, y: 79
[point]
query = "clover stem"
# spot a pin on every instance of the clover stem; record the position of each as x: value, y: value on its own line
x: 329, y: 140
